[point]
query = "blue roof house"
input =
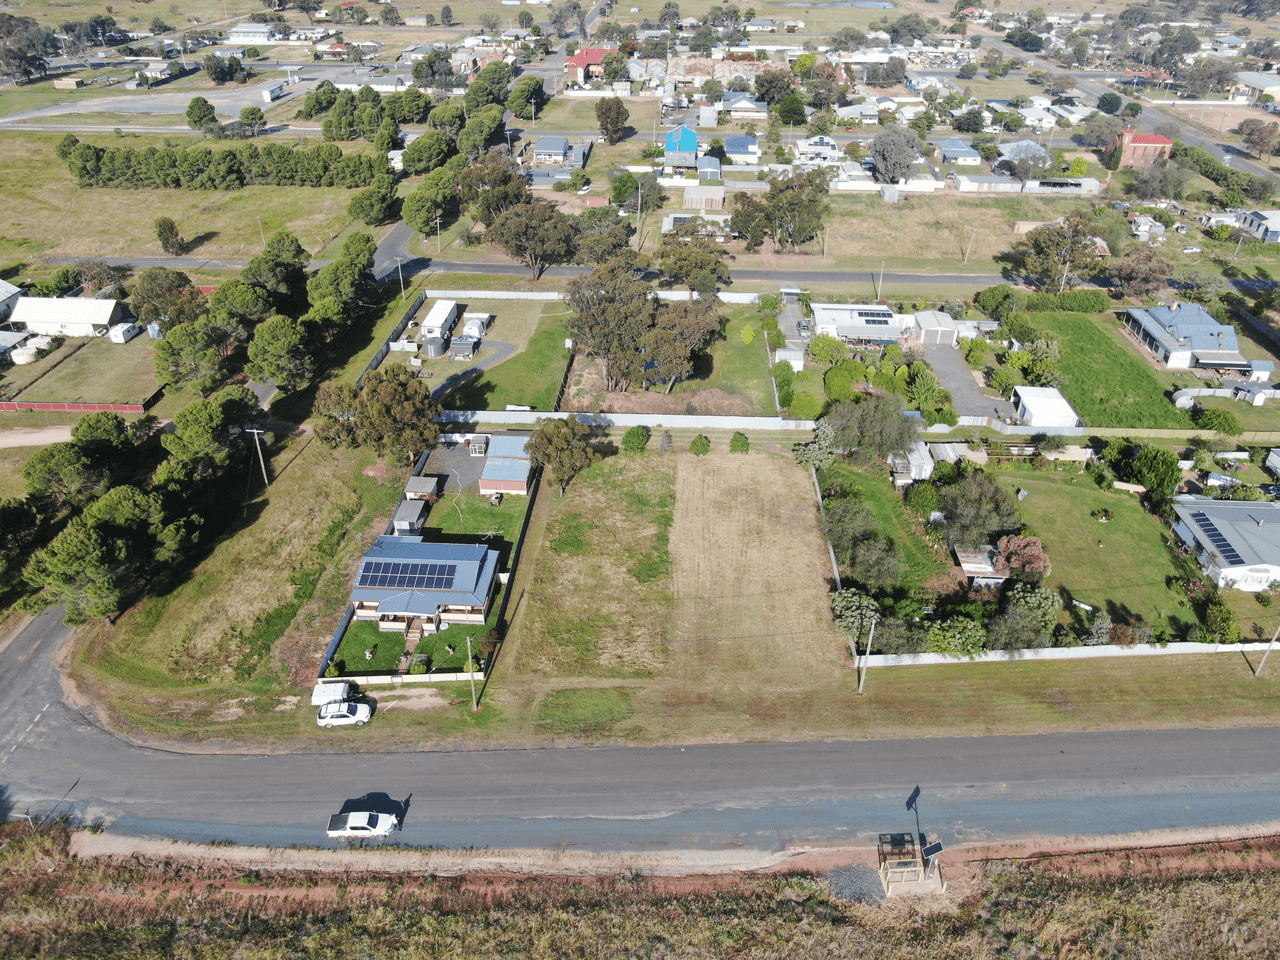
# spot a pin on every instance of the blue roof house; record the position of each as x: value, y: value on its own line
x: 413, y: 587
x: 682, y: 140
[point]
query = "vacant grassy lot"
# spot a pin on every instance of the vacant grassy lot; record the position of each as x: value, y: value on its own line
x: 579, y: 114
x: 1127, y: 574
x: 98, y: 372
x: 1106, y: 382
x: 50, y: 13
x: 532, y: 376
x: 52, y: 215
x: 939, y: 229
x: 738, y: 367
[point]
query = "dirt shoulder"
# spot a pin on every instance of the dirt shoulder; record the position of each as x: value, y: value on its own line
x: 1164, y: 851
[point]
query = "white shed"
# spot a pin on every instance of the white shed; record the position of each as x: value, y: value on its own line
x: 65, y: 316
x: 1044, y: 407
x: 476, y: 324
x: 793, y: 357
x: 123, y: 332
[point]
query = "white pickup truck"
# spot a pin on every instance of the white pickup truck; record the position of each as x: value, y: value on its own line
x: 352, y: 825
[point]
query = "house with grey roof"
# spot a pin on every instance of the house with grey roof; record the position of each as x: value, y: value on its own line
x: 1263, y: 224
x: 1183, y: 335
x: 1236, y: 542
x: 742, y: 149
x: 413, y: 586
x: 551, y: 150
x: 709, y: 169
x: 956, y: 151
x: 1027, y: 150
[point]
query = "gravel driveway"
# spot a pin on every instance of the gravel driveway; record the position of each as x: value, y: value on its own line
x: 956, y: 377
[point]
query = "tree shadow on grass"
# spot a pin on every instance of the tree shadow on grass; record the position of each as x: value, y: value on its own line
x: 199, y: 240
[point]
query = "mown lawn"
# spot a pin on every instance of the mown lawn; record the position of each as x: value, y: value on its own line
x: 12, y: 460
x: 98, y: 372
x: 1105, y: 382
x: 530, y: 378
x: 1127, y: 574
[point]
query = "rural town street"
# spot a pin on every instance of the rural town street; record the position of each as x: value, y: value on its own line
x: 686, y: 801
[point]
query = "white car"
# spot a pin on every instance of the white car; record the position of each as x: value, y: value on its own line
x: 344, y: 713
x: 1191, y: 250
x: 584, y: 191
x: 354, y: 825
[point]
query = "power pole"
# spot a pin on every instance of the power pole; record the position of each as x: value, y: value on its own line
x: 400, y: 271
x: 261, y: 462
x: 973, y: 233
x: 437, y: 234
x: 471, y: 673
x: 1258, y: 672
x: 880, y: 287
x: 639, y: 206
x: 862, y: 676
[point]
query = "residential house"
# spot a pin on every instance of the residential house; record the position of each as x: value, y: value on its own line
x: 1228, y: 218
x: 1140, y: 149
x: 955, y: 151
x: 689, y: 24
x: 412, y: 586
x: 709, y: 169
x: 1145, y: 227
x: 819, y: 148
x: 761, y: 25
x: 11, y: 340
x: 551, y: 150
x: 586, y: 64
x: 1027, y: 150
x: 1237, y: 543
x: 704, y: 197
x: 1227, y: 46
x: 65, y: 316
x: 859, y: 113
x: 159, y: 70
x: 1044, y: 407
x: 861, y: 322
x: 713, y: 225
x: 742, y: 149
x: 1263, y: 224
x: 250, y: 33
x: 744, y: 108
x: 682, y: 140
x: 677, y: 162
x: 1256, y: 85
x: 1183, y: 335
x: 507, y: 465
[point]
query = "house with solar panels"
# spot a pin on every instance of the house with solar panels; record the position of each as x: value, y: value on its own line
x: 1236, y: 542
x: 415, y: 587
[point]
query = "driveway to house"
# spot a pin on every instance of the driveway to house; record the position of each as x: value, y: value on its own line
x: 957, y: 378
x: 504, y: 350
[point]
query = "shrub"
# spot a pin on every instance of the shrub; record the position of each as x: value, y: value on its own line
x: 700, y: 446
x: 805, y: 406
x: 784, y: 373
x: 776, y: 339
x: 332, y: 670
x: 739, y: 443
x: 786, y: 396
x: 418, y: 669
x: 748, y: 334
x: 768, y: 322
x: 635, y: 440
x: 923, y: 498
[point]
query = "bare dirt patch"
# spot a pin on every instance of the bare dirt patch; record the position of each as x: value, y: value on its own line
x: 750, y: 574
x: 587, y: 392
x: 411, y: 698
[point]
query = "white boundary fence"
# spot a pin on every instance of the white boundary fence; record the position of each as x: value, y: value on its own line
x: 1062, y: 653
x: 724, y: 296
x: 653, y: 420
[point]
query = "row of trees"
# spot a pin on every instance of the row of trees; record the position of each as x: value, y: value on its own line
x: 103, y: 519
x: 205, y: 168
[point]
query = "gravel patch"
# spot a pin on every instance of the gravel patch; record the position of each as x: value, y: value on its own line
x: 858, y: 883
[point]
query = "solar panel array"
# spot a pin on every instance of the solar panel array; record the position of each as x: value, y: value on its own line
x: 1220, y: 543
x: 408, y: 576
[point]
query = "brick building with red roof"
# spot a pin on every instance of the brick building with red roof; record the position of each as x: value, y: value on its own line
x: 586, y: 64
x: 1140, y: 149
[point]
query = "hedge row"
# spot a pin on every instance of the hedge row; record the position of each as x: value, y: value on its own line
x: 203, y: 168
x: 1073, y: 301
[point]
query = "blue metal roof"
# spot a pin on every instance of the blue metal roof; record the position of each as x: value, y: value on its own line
x: 506, y: 468
x: 1185, y: 326
x: 740, y: 144
x: 509, y: 445
x: 475, y: 568
x: 682, y: 139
